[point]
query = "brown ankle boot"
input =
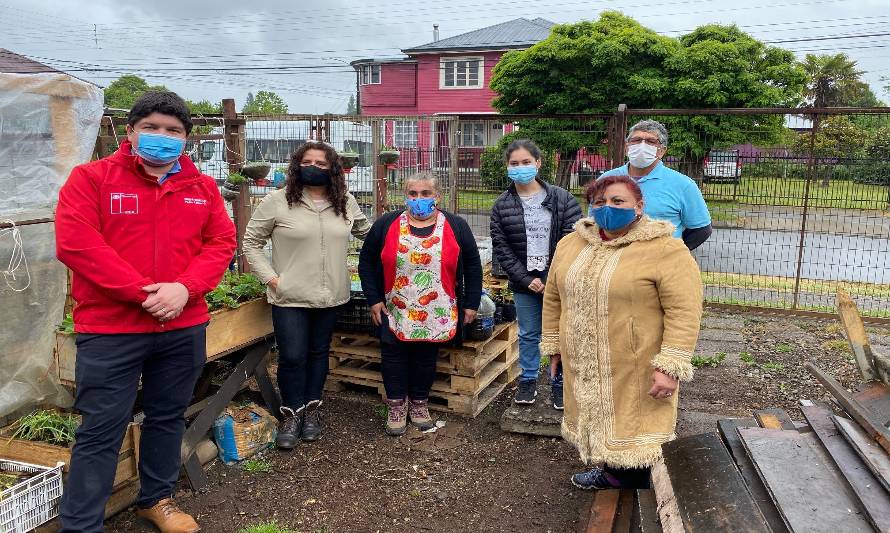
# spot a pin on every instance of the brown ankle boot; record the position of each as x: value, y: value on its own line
x: 167, y: 517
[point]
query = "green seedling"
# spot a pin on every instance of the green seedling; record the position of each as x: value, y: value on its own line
x: 267, y: 527
x: 699, y: 361
x: 46, y: 426
x: 784, y: 348
x: 256, y: 466
x: 746, y: 358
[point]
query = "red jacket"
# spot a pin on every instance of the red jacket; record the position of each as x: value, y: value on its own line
x: 118, y: 230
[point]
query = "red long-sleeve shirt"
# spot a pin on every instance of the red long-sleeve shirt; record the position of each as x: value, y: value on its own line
x: 118, y: 230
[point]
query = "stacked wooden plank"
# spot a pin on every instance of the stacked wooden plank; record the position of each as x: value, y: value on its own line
x: 770, y: 474
x: 468, y: 378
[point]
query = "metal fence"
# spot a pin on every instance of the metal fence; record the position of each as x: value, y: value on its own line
x: 800, y: 199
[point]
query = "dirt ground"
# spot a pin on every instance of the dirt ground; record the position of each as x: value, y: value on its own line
x: 474, y: 477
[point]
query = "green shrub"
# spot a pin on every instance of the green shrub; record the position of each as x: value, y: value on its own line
x: 233, y: 290
x: 493, y: 169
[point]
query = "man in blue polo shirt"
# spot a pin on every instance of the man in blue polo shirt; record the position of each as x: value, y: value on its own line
x: 667, y: 194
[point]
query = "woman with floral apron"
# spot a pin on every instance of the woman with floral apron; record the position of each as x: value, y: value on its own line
x: 421, y: 274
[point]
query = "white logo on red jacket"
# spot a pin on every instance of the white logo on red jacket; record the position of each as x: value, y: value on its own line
x: 196, y: 201
x: 124, y: 203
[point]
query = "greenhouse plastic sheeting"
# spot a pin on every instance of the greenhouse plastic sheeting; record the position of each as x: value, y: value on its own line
x: 48, y: 124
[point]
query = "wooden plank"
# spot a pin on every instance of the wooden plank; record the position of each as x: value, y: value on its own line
x: 774, y: 419
x: 710, y: 492
x: 621, y: 524
x: 874, y: 396
x: 602, y: 511
x: 647, y: 509
x: 874, y: 457
x: 871, y: 424
x: 667, y: 508
x: 729, y: 431
x: 230, y: 329
x: 803, y: 485
x: 875, y: 501
x: 856, y: 335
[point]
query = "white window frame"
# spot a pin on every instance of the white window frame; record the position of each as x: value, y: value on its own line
x: 468, y: 131
x: 366, y: 76
x: 404, y: 133
x: 446, y: 63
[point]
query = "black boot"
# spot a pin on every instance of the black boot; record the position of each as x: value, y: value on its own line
x: 312, y: 421
x: 289, y: 428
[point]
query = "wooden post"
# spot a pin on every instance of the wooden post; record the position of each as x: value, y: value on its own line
x: 617, y: 134
x: 856, y: 335
x: 453, y: 163
x: 234, y: 147
x: 378, y: 173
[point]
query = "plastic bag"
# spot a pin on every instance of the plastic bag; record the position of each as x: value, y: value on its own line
x: 243, y: 431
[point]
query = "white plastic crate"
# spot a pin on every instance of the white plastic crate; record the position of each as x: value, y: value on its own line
x: 32, y: 502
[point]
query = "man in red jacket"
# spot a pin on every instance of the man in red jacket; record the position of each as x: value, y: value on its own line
x: 146, y: 236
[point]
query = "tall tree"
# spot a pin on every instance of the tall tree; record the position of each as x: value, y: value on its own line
x: 248, y: 103
x: 834, y: 81
x: 124, y: 91
x: 205, y: 107
x: 266, y: 103
x: 351, y: 109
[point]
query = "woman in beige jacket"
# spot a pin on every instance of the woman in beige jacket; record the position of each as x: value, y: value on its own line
x: 309, y: 222
x: 622, y: 306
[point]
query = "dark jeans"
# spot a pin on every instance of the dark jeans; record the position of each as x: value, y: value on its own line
x: 107, y: 376
x: 304, y: 341
x: 408, y: 368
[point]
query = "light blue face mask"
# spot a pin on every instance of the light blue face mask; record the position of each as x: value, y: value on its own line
x: 524, y: 174
x: 612, y: 218
x: 157, y: 149
x: 421, y: 207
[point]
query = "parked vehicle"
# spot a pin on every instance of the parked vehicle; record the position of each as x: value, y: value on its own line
x: 274, y: 141
x: 723, y: 165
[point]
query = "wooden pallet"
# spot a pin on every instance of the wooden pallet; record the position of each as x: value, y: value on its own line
x: 468, y: 378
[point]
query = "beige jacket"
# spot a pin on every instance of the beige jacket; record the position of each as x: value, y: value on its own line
x: 309, y: 249
x: 617, y: 310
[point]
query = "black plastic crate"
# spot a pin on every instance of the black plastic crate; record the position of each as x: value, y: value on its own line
x: 355, y: 316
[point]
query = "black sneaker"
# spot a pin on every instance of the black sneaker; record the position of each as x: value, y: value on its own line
x: 289, y: 429
x: 556, y: 395
x: 527, y: 392
x: 312, y: 421
x: 595, y: 479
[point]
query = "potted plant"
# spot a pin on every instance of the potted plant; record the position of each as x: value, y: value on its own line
x: 348, y: 160
x: 257, y: 171
x: 231, y: 188
x: 388, y: 155
x: 279, y: 177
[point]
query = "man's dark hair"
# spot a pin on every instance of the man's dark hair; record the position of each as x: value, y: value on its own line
x: 163, y: 102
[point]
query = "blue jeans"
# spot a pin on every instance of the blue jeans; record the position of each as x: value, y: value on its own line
x: 304, y: 341
x: 107, y: 375
x: 528, y: 313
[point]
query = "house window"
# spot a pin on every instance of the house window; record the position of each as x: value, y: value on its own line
x: 404, y: 133
x: 370, y: 74
x: 461, y: 73
x: 472, y: 134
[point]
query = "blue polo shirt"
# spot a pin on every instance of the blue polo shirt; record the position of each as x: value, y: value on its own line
x: 173, y: 170
x: 672, y: 196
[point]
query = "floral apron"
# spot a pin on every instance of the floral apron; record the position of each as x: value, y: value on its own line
x: 421, y: 310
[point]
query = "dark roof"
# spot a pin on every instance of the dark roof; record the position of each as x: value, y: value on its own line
x: 12, y: 63
x: 516, y: 33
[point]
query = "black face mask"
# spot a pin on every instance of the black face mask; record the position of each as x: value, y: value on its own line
x: 312, y: 175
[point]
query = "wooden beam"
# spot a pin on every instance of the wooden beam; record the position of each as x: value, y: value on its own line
x: 856, y: 335
x: 647, y: 510
x: 666, y: 499
x: 602, y: 511
x: 874, y: 457
x: 875, y: 500
x: 774, y: 419
x: 866, y: 419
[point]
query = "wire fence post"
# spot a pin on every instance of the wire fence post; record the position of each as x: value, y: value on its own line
x: 233, y: 143
x: 378, y: 170
x: 811, y: 170
x: 453, y: 163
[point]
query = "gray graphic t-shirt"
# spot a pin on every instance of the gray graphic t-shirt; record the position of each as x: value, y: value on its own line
x: 537, y: 231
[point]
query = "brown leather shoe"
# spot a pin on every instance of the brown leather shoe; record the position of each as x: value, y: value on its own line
x: 167, y: 517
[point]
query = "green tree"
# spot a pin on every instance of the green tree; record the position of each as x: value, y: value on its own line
x: 248, y: 103
x: 834, y: 81
x: 124, y: 91
x: 351, y: 108
x: 837, y: 141
x: 205, y: 107
x: 265, y: 103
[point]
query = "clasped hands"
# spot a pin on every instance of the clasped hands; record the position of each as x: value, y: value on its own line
x: 165, y: 300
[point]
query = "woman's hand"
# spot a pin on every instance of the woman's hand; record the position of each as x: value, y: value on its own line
x: 377, y: 312
x: 536, y: 285
x: 273, y: 282
x: 469, y: 316
x: 663, y: 385
x: 554, y: 362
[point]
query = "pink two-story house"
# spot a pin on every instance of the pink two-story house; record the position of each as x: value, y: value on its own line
x: 445, y: 77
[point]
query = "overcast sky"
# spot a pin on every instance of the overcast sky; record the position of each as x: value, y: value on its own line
x: 200, y: 48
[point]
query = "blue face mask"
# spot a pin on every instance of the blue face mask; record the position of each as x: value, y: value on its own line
x: 159, y: 150
x: 523, y: 174
x: 612, y: 218
x: 421, y: 207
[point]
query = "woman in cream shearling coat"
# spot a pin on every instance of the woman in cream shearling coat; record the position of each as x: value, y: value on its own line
x: 622, y: 306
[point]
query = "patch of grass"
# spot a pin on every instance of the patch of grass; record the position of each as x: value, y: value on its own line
x: 699, y: 361
x: 545, y: 362
x: 381, y: 410
x: 837, y: 345
x: 746, y: 358
x: 784, y: 348
x: 769, y: 365
x: 67, y: 325
x: 833, y: 328
x: 46, y: 426
x: 782, y: 386
x: 256, y: 466
x: 786, y: 284
x: 267, y: 527
x: 840, y: 194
